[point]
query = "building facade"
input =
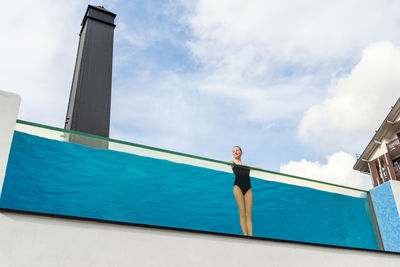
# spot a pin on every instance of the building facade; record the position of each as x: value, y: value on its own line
x: 381, y: 158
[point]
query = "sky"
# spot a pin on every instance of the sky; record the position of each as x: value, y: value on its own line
x: 301, y: 86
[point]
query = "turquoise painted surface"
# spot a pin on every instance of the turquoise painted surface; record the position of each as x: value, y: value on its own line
x: 387, y: 216
x: 68, y: 179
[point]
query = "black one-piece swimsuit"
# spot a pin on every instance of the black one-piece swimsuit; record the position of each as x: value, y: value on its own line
x: 242, y: 177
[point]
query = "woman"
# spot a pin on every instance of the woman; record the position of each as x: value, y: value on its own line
x: 242, y: 191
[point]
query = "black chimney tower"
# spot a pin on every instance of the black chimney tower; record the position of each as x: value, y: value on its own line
x: 90, y: 98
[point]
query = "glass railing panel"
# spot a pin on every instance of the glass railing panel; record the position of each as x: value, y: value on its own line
x: 41, y: 130
x: 62, y: 172
x: 147, y: 151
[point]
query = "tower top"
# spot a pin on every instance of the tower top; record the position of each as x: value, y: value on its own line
x: 99, y: 13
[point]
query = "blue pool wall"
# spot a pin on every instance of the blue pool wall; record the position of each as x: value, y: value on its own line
x: 49, y: 176
x: 386, y: 212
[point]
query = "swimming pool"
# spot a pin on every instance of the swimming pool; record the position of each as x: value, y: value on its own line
x: 50, y: 176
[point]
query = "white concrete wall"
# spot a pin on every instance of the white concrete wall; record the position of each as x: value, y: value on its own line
x: 380, y: 150
x: 9, y: 107
x: 33, y: 240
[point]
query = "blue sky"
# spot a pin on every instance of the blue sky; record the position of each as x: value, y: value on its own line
x: 299, y: 85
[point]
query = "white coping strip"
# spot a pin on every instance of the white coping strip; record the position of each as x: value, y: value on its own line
x: 9, y: 107
x: 396, y: 194
x: 53, y: 134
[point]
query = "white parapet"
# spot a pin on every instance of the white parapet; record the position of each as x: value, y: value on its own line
x: 34, y: 240
x: 9, y: 107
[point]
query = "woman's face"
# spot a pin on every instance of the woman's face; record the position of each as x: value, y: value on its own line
x: 236, y: 152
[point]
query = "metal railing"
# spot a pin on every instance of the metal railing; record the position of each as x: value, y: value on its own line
x: 392, y: 145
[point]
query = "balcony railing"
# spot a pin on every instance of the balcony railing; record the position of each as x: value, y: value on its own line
x: 392, y: 145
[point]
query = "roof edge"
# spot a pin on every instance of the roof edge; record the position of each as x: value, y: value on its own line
x: 394, y: 110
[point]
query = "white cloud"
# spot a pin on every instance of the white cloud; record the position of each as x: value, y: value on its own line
x: 39, y: 45
x: 337, y: 170
x: 247, y: 38
x: 355, y: 104
x: 273, y: 57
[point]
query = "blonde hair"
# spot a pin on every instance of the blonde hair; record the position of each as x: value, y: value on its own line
x: 238, y: 147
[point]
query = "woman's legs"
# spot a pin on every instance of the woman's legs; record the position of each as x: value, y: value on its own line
x: 248, y: 198
x: 242, y: 211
